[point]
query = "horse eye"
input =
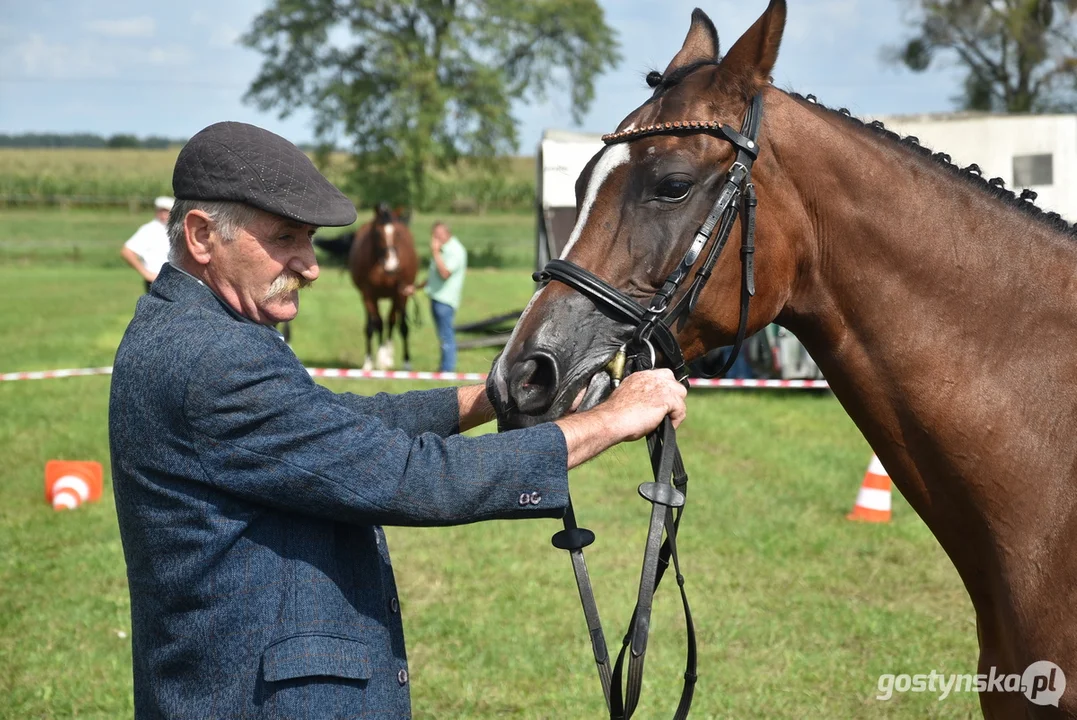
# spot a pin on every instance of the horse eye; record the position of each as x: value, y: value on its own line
x: 672, y: 189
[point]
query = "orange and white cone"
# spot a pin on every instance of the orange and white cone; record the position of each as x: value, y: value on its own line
x: 70, y: 483
x: 873, y: 500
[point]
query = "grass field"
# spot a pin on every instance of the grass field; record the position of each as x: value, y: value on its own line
x: 93, y: 237
x: 798, y: 611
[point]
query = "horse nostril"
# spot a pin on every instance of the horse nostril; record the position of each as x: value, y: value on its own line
x: 532, y: 383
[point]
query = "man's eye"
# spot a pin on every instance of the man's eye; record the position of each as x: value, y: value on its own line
x: 673, y: 189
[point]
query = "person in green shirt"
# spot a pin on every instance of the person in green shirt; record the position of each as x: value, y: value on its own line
x: 445, y: 285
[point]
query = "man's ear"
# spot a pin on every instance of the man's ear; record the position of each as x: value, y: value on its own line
x: 198, y: 229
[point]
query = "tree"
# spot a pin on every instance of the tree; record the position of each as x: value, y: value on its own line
x: 413, y: 84
x: 122, y: 140
x: 1020, y: 55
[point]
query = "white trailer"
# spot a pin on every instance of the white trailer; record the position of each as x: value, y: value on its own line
x: 1027, y: 151
x: 562, y: 155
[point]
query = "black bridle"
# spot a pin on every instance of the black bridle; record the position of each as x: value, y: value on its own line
x: 654, y: 327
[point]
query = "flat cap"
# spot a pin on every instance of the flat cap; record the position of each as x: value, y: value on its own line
x: 243, y: 163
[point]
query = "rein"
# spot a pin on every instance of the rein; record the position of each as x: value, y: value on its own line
x: 653, y: 327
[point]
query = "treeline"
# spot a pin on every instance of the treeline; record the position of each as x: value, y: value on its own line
x: 86, y: 140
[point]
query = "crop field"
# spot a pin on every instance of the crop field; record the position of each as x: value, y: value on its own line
x: 798, y: 611
x: 98, y: 176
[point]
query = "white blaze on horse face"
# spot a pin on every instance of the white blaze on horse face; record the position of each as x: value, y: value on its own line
x: 391, y: 260
x: 612, y: 158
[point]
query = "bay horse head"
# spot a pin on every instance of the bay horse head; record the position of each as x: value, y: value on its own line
x: 385, y: 237
x: 641, y: 201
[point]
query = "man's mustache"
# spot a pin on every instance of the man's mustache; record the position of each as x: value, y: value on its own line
x: 285, y: 283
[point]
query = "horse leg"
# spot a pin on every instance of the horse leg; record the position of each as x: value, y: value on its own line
x: 385, y: 353
x: 379, y: 327
x: 373, y: 322
x: 999, y: 657
x: 404, y: 331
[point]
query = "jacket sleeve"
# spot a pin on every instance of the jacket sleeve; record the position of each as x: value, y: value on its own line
x: 414, y: 412
x: 265, y: 431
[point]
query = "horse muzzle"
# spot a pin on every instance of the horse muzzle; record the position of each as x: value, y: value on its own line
x: 538, y: 387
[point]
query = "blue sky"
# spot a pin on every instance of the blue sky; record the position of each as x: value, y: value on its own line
x: 153, y: 68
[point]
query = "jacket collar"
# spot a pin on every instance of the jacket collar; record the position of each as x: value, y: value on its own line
x: 176, y: 285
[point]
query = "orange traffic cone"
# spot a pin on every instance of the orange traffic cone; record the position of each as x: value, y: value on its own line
x: 873, y: 500
x: 70, y: 483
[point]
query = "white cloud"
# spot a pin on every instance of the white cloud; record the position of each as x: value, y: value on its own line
x: 136, y: 27
x: 37, y: 57
x: 169, y: 55
x: 829, y: 21
x: 221, y: 34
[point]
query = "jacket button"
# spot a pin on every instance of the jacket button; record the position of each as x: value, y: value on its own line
x: 402, y: 676
x: 394, y: 605
x: 535, y: 498
x: 525, y: 499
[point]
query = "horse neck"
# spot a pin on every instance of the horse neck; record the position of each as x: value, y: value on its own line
x: 936, y: 312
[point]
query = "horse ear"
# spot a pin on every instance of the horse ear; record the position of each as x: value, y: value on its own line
x: 753, y: 56
x: 701, y: 43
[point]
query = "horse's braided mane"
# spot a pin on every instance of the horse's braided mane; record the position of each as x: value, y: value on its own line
x: 972, y: 174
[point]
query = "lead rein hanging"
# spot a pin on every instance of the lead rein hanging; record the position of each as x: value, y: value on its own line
x: 667, y: 493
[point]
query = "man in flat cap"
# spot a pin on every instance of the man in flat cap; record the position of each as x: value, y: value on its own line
x: 251, y: 499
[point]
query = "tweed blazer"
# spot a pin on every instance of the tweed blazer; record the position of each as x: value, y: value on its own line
x: 250, y: 501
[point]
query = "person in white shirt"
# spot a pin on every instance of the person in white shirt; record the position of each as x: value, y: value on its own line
x: 147, y: 250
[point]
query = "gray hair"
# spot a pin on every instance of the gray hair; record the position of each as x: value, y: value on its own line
x: 228, y: 216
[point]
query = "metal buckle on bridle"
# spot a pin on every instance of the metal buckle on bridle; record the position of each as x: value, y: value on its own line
x: 615, y: 368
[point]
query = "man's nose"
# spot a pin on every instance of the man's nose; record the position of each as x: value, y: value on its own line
x: 306, y: 264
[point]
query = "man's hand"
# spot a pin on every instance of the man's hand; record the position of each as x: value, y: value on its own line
x: 436, y: 243
x: 641, y: 402
x: 408, y: 290
x: 634, y: 409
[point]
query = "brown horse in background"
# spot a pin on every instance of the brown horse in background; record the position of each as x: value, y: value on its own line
x: 382, y: 263
x: 941, y: 307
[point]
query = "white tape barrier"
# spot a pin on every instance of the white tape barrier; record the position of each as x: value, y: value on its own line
x: 349, y: 374
x: 394, y: 375
x: 50, y: 374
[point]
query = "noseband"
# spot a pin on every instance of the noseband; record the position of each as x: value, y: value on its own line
x: 654, y: 323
